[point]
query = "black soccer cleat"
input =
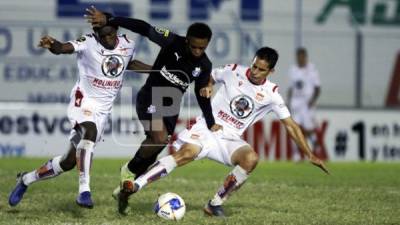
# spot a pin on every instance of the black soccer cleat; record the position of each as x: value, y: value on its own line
x: 128, y: 188
x: 214, y: 210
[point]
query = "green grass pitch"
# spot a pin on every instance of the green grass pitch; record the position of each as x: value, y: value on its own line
x: 276, y: 193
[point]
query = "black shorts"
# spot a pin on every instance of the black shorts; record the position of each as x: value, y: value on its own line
x: 143, y: 102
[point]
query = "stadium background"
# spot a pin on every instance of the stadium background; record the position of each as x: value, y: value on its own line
x: 354, y: 44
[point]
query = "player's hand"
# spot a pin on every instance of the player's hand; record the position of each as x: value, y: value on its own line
x: 95, y: 17
x: 206, y: 92
x: 46, y: 42
x: 318, y: 162
x: 216, y: 127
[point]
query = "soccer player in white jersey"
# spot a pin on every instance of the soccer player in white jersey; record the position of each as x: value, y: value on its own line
x: 246, y: 96
x: 303, y: 93
x: 102, y: 58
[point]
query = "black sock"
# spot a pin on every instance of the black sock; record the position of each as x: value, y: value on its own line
x: 138, y: 165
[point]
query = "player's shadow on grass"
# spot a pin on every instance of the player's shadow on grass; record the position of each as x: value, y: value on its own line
x: 12, y: 211
x: 230, y: 209
x: 69, y: 207
x: 142, y: 208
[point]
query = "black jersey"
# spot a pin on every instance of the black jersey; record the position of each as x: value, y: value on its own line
x: 174, y: 65
x: 178, y: 68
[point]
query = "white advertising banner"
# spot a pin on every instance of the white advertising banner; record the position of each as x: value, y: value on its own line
x: 342, y: 135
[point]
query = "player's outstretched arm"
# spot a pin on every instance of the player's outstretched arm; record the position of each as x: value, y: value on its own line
x: 161, y: 37
x: 55, y: 46
x: 139, y: 66
x: 207, y: 91
x: 297, y: 135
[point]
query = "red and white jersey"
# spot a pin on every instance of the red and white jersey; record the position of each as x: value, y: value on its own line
x: 302, y: 82
x: 238, y: 103
x: 101, y: 70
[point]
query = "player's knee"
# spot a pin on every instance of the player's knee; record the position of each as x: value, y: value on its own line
x: 184, y: 156
x: 89, y: 131
x: 189, y: 154
x: 249, y: 161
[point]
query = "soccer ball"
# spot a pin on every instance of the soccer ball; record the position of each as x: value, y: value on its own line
x: 170, y: 206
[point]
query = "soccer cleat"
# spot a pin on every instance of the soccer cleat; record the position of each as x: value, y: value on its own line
x: 18, y: 193
x: 84, y: 199
x: 128, y: 188
x: 214, y: 210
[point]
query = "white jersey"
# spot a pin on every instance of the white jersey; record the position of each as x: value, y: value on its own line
x: 239, y: 103
x: 101, y: 70
x: 302, y: 82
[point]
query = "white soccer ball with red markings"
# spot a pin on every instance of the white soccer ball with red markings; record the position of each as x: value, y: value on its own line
x: 170, y: 206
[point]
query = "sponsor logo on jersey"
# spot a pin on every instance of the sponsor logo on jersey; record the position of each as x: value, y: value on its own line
x: 259, y: 96
x: 107, y: 84
x: 196, y: 72
x: 230, y: 119
x: 242, y: 106
x: 177, y: 56
x: 173, y: 78
x: 195, y: 136
x: 112, y: 66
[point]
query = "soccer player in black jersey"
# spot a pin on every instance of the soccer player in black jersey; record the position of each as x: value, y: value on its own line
x: 180, y: 61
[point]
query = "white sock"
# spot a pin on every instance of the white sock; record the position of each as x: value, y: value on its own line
x: 84, y: 154
x: 232, y: 182
x: 159, y: 169
x: 50, y: 169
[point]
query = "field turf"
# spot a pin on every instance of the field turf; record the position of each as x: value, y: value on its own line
x: 276, y: 193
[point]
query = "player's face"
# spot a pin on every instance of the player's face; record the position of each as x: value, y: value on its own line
x: 301, y: 59
x: 197, y: 46
x: 108, y: 37
x: 259, y: 70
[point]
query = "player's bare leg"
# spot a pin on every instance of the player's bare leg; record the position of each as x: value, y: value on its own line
x: 161, y: 168
x: 245, y: 160
x: 50, y: 169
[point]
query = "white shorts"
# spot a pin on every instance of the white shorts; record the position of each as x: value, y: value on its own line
x: 305, y: 117
x: 217, y: 146
x: 86, y: 111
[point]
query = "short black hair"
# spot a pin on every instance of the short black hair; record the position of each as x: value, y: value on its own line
x: 301, y: 50
x: 268, y: 54
x: 199, y: 30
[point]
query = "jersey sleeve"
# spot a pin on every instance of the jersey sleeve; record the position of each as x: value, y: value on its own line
x: 160, y: 36
x: 219, y: 73
x: 279, y: 107
x: 80, y: 44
